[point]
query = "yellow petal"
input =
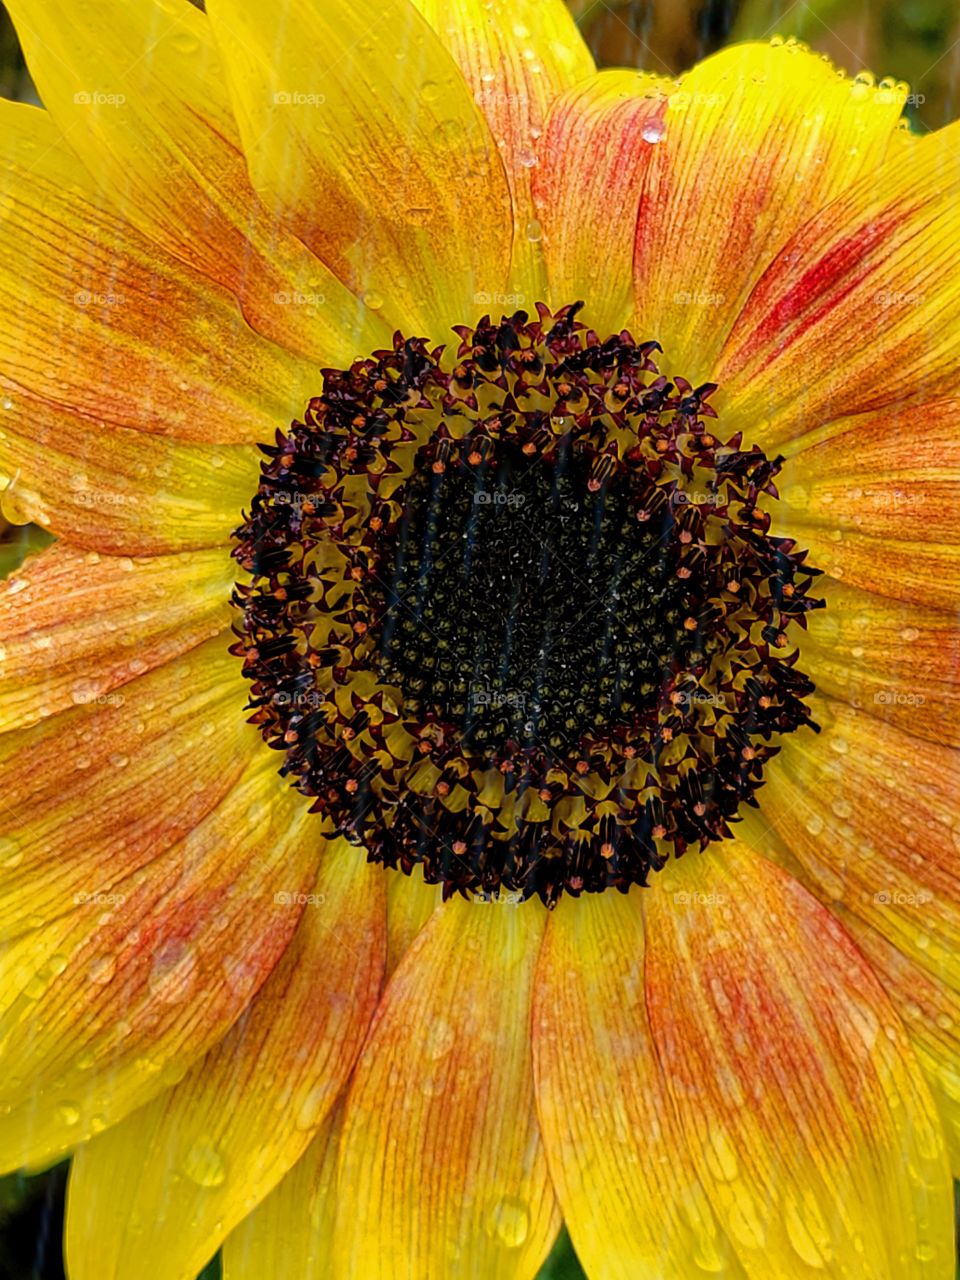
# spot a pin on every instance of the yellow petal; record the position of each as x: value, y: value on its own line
x: 130, y: 750
x: 410, y: 904
x: 517, y: 57
x: 860, y: 308
x: 138, y: 91
x: 110, y: 489
x: 110, y: 1003
x: 804, y: 1108
x: 756, y: 139
x: 630, y: 1195
x: 442, y: 1171
x: 97, y: 319
x: 868, y: 812
x: 156, y: 1195
x: 875, y: 502
x: 930, y: 1010
x: 599, y: 142
x: 899, y: 661
x: 76, y: 628
x: 291, y: 1233
x: 383, y: 165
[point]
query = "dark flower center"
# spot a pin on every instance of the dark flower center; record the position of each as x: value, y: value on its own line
x: 520, y: 620
x: 520, y: 605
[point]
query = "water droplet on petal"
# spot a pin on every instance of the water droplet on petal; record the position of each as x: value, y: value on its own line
x: 69, y: 1113
x: 440, y: 1039
x: 205, y: 1165
x: 509, y: 1222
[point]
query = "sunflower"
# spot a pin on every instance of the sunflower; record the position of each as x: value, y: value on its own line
x: 479, y: 754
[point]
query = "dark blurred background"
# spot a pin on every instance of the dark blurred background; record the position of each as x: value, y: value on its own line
x: 913, y: 40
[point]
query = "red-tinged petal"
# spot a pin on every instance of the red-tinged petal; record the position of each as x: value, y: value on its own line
x: 804, y: 1109
x: 76, y: 627
x: 877, y: 261
x: 627, y: 1185
x: 442, y: 1170
x: 98, y: 320
x: 292, y: 1232
x: 875, y: 503
x: 899, y: 662
x: 755, y: 140
x: 156, y: 1195
x: 138, y: 91
x: 930, y: 1010
x: 517, y: 57
x: 116, y: 490
x: 420, y: 222
x: 869, y: 813
x: 106, y: 1006
x: 599, y: 141
x: 157, y: 757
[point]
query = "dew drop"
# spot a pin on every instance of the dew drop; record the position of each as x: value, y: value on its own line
x: 174, y: 971
x: 440, y: 1040
x: 509, y: 1222
x: 205, y: 1165
x: 11, y: 855
x: 69, y: 1113
x: 652, y: 132
x: 102, y: 969
x: 721, y: 1157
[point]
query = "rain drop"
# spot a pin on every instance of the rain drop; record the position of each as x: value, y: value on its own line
x: 205, y: 1165
x: 509, y: 1222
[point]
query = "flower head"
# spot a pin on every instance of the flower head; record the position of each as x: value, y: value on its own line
x: 481, y: 484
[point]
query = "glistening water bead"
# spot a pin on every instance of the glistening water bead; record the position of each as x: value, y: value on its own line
x: 517, y: 617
